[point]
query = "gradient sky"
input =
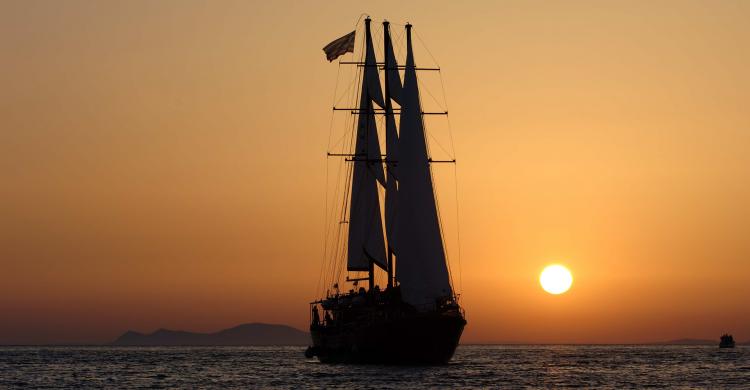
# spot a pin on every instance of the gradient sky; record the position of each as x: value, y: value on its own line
x: 163, y: 163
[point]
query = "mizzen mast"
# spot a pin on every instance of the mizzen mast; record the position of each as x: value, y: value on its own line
x: 422, y: 269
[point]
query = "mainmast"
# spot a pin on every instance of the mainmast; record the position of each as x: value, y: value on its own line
x: 392, y: 82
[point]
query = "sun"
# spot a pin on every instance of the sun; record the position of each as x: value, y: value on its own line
x: 555, y: 279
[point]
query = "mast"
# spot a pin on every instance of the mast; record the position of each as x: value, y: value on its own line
x: 366, y: 244
x: 422, y: 270
x: 392, y: 82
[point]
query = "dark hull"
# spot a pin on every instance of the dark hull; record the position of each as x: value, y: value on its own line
x: 416, y: 338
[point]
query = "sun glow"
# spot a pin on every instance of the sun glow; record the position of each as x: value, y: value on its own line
x: 556, y: 279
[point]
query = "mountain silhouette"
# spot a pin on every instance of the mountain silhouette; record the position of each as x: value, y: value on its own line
x: 245, y: 334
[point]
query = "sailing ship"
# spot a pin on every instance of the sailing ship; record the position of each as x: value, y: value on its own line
x: 416, y: 317
x: 727, y: 341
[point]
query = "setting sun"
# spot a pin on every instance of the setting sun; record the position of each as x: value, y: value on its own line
x: 556, y: 279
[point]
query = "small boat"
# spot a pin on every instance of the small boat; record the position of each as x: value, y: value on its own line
x: 727, y: 341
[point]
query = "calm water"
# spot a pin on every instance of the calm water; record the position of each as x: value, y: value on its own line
x: 286, y: 367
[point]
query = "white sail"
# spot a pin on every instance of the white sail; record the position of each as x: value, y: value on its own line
x: 366, y: 241
x: 393, y: 91
x: 421, y: 269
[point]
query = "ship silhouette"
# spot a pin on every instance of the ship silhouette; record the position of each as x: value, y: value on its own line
x: 416, y: 317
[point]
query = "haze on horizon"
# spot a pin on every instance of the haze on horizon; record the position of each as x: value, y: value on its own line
x: 163, y: 164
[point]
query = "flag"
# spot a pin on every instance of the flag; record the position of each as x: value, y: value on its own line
x: 340, y: 46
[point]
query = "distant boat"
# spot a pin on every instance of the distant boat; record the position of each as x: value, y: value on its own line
x: 727, y: 341
x: 416, y: 318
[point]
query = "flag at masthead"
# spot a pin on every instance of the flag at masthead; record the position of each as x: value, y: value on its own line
x: 340, y: 46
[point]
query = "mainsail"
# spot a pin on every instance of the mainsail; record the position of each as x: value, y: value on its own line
x: 366, y: 241
x: 422, y: 270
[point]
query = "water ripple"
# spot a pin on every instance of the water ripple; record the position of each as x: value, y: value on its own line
x: 285, y: 367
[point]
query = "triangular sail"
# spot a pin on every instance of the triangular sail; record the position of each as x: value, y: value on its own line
x: 366, y: 241
x: 392, y: 91
x: 393, y: 79
x: 371, y: 79
x: 422, y: 270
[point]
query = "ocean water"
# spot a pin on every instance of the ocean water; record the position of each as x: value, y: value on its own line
x: 477, y: 366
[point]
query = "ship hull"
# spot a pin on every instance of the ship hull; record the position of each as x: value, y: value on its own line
x: 415, y: 339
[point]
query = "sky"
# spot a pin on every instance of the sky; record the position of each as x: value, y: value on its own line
x: 163, y: 164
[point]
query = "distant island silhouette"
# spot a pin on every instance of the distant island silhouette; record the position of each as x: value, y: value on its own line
x: 261, y: 334
x: 257, y: 334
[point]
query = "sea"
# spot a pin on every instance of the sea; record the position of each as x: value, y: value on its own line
x: 473, y: 366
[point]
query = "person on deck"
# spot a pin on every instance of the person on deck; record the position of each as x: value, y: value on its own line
x: 316, y: 316
x: 329, y: 320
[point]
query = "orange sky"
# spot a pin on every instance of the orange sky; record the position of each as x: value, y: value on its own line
x: 163, y: 164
